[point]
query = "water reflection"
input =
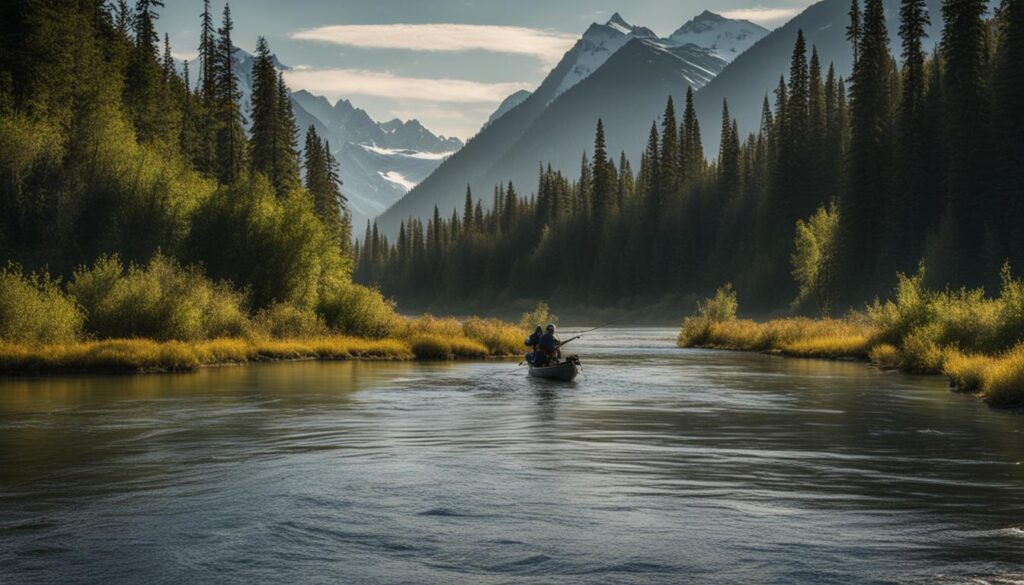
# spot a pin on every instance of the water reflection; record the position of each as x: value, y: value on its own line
x: 661, y: 465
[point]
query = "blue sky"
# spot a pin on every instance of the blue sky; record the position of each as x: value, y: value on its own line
x: 446, y: 62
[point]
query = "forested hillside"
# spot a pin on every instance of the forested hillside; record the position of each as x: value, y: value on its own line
x: 896, y: 165
x: 113, y: 167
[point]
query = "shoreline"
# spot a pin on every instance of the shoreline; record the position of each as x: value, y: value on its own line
x: 147, y: 356
x: 996, y: 377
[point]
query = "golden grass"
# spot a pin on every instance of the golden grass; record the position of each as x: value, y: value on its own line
x: 149, y: 355
x: 884, y: 355
x: 798, y: 336
x: 500, y: 338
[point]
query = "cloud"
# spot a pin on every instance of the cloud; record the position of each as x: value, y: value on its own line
x: 338, y: 83
x: 763, y: 14
x: 185, y: 55
x: 547, y: 46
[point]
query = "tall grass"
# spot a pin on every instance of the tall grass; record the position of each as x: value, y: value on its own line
x: 975, y: 340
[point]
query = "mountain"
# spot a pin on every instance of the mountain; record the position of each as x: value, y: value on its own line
x: 755, y: 73
x: 378, y: 162
x: 616, y: 71
x: 725, y: 37
x: 506, y: 105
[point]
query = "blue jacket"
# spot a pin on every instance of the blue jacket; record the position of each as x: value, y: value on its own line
x: 533, y: 339
x: 548, y: 342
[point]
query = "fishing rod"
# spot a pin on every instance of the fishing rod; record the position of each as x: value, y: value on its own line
x: 581, y: 334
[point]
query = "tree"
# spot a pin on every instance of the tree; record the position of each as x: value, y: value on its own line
x: 228, y: 120
x: 1008, y: 115
x: 814, y: 259
x: 603, y: 184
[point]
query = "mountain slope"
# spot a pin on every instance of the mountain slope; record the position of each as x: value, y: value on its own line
x: 630, y: 88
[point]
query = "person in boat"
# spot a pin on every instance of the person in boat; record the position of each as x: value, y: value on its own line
x: 549, y: 343
x: 532, y: 342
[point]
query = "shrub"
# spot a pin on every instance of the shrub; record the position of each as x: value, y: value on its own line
x: 966, y: 371
x: 469, y: 348
x: 447, y: 327
x: 287, y: 320
x: 499, y: 337
x: 33, y: 309
x: 721, y: 307
x: 161, y: 301
x: 428, y: 346
x: 1003, y: 379
x: 539, y: 315
x: 358, y: 310
x: 885, y: 355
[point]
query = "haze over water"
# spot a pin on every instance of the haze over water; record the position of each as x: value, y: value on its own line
x: 659, y: 465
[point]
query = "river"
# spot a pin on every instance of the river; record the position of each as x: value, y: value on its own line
x: 658, y: 465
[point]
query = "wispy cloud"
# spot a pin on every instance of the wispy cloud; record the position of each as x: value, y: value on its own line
x: 763, y: 14
x: 337, y: 83
x: 185, y: 55
x: 547, y: 46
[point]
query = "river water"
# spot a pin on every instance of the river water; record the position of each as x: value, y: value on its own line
x: 658, y: 465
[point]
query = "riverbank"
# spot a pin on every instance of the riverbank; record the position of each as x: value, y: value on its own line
x: 998, y: 377
x: 974, y: 340
x: 424, y: 338
x: 150, y: 356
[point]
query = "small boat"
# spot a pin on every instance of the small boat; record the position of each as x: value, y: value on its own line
x: 565, y: 371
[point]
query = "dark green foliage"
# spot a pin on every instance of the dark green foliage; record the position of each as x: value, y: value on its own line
x: 680, y: 225
x: 106, y: 150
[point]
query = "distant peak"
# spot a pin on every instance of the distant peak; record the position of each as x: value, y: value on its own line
x: 617, y: 19
x: 708, y: 15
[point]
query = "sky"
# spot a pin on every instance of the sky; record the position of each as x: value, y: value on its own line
x: 447, y: 63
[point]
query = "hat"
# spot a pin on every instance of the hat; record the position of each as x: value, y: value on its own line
x: 551, y: 327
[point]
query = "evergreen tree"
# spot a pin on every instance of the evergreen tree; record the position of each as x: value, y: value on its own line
x: 227, y: 117
x: 965, y: 91
x: 869, y: 158
x: 668, y: 171
x: 602, y: 197
x: 1008, y: 95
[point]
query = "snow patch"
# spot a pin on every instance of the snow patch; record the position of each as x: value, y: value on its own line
x: 397, y: 178
x: 407, y: 153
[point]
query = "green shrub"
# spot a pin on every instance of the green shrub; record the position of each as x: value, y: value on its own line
x: 277, y: 249
x: 721, y: 307
x: 539, y: 315
x: 430, y: 346
x: 501, y: 338
x: 358, y: 310
x: 160, y: 301
x: 286, y: 320
x: 33, y: 309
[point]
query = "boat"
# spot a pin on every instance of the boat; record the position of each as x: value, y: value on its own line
x: 565, y: 371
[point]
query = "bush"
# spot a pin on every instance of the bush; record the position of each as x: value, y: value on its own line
x: 447, y: 327
x: 358, y: 310
x: 539, y: 315
x: 33, y: 309
x: 722, y: 307
x: 430, y: 346
x: 501, y: 338
x: 276, y: 248
x: 287, y: 320
x: 161, y: 301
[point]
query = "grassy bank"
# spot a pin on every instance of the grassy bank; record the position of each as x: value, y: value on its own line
x: 167, y: 317
x: 974, y: 340
x: 426, y: 338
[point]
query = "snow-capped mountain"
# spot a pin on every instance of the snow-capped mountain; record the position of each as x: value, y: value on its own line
x: 616, y: 71
x: 725, y: 37
x: 379, y: 162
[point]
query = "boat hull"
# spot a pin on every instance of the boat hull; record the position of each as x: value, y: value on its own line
x: 565, y: 371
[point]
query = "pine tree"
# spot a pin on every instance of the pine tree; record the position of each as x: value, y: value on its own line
x: 602, y: 197
x: 1008, y: 95
x: 668, y: 171
x: 869, y: 158
x: 728, y: 160
x: 286, y: 165
x: 467, y: 211
x: 692, y: 149
x: 263, y: 141
x: 228, y: 118
x: 965, y: 57
x: 853, y: 30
